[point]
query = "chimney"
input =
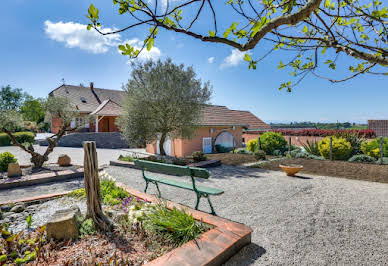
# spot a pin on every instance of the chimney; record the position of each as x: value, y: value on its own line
x: 94, y: 93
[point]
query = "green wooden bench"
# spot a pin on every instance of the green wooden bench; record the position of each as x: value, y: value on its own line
x: 170, y: 169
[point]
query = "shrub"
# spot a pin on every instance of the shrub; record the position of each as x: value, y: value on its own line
x: 311, y: 147
x: 341, y: 148
x: 304, y: 155
x: 126, y: 158
x: 271, y: 141
x: 178, y: 161
x: 222, y: 149
x: 174, y: 226
x: 372, y: 148
x: 277, y: 153
x: 259, y: 155
x: 354, y: 140
x: 362, y: 158
x: 241, y: 151
x: 385, y: 160
x: 5, y: 159
x: 198, y: 156
x: 21, y: 137
x: 252, y: 145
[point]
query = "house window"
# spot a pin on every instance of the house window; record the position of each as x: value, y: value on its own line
x: 79, y: 122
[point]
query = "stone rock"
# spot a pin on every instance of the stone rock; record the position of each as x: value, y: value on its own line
x: 17, y: 208
x: 64, y: 160
x: 14, y: 170
x: 63, y: 224
x: 5, y: 208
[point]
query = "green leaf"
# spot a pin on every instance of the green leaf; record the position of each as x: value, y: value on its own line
x: 247, y: 58
x: 305, y: 29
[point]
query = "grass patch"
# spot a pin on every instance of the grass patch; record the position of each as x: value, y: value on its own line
x: 110, y: 193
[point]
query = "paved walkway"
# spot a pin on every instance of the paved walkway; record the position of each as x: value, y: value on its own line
x: 310, y: 220
x: 76, y: 154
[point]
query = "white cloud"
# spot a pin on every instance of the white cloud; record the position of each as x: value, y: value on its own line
x: 211, y: 59
x: 76, y: 35
x: 153, y: 54
x: 234, y: 59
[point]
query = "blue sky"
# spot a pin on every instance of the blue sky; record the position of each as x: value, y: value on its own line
x: 43, y: 41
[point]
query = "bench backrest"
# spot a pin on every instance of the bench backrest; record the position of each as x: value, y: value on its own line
x: 172, y: 169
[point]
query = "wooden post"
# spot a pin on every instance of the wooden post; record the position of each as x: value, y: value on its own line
x: 258, y: 143
x: 381, y: 149
x: 92, y: 187
x: 331, y: 148
x: 289, y: 144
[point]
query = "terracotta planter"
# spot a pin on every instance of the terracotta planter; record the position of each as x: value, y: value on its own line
x: 291, y: 169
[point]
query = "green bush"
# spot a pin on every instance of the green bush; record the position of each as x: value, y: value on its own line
x: 259, y: 155
x: 271, y: 141
x: 241, y: 151
x: 341, y: 148
x: 385, y: 160
x: 311, y: 147
x: 304, y: 155
x: 126, y: 158
x: 277, y: 153
x: 5, y: 159
x: 372, y: 147
x: 252, y: 145
x: 179, y: 161
x: 362, y: 158
x: 21, y: 137
x: 221, y: 149
x: 198, y: 156
x: 354, y: 140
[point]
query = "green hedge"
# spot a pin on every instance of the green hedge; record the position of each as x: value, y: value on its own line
x: 21, y: 137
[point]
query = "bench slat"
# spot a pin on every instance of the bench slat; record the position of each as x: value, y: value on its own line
x: 184, y: 185
x: 172, y: 169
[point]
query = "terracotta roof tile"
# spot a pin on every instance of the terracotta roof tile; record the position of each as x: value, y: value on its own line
x: 108, y: 108
x: 250, y: 119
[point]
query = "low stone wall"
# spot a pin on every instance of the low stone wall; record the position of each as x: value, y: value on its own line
x: 105, y: 140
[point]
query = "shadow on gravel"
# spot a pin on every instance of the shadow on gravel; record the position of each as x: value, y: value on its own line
x: 247, y: 256
x: 235, y: 172
x: 302, y: 177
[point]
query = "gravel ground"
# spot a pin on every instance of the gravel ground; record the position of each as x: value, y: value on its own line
x: 306, y: 220
x: 48, y: 188
x: 76, y: 154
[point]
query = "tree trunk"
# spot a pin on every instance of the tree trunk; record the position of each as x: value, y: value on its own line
x: 161, y: 144
x: 38, y: 160
x: 92, y: 187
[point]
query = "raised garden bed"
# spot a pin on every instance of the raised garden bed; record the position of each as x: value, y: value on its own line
x: 344, y: 169
x: 46, y: 174
x: 215, y: 241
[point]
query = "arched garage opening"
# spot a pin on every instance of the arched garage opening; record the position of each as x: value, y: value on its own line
x: 226, y: 140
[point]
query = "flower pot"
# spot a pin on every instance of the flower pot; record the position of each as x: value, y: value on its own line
x: 291, y: 169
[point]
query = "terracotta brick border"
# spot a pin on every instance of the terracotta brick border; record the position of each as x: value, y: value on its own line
x: 36, y: 179
x: 213, y: 247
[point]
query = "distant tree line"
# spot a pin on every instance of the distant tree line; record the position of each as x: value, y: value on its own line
x: 312, y: 125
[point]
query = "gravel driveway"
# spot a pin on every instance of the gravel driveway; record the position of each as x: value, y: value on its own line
x: 310, y: 220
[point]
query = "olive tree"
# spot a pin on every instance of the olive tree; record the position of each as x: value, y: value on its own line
x: 314, y: 33
x: 162, y: 99
x: 11, y: 120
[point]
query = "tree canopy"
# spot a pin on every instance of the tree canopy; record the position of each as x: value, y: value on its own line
x: 12, y: 98
x: 314, y: 32
x: 33, y: 110
x: 162, y: 99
